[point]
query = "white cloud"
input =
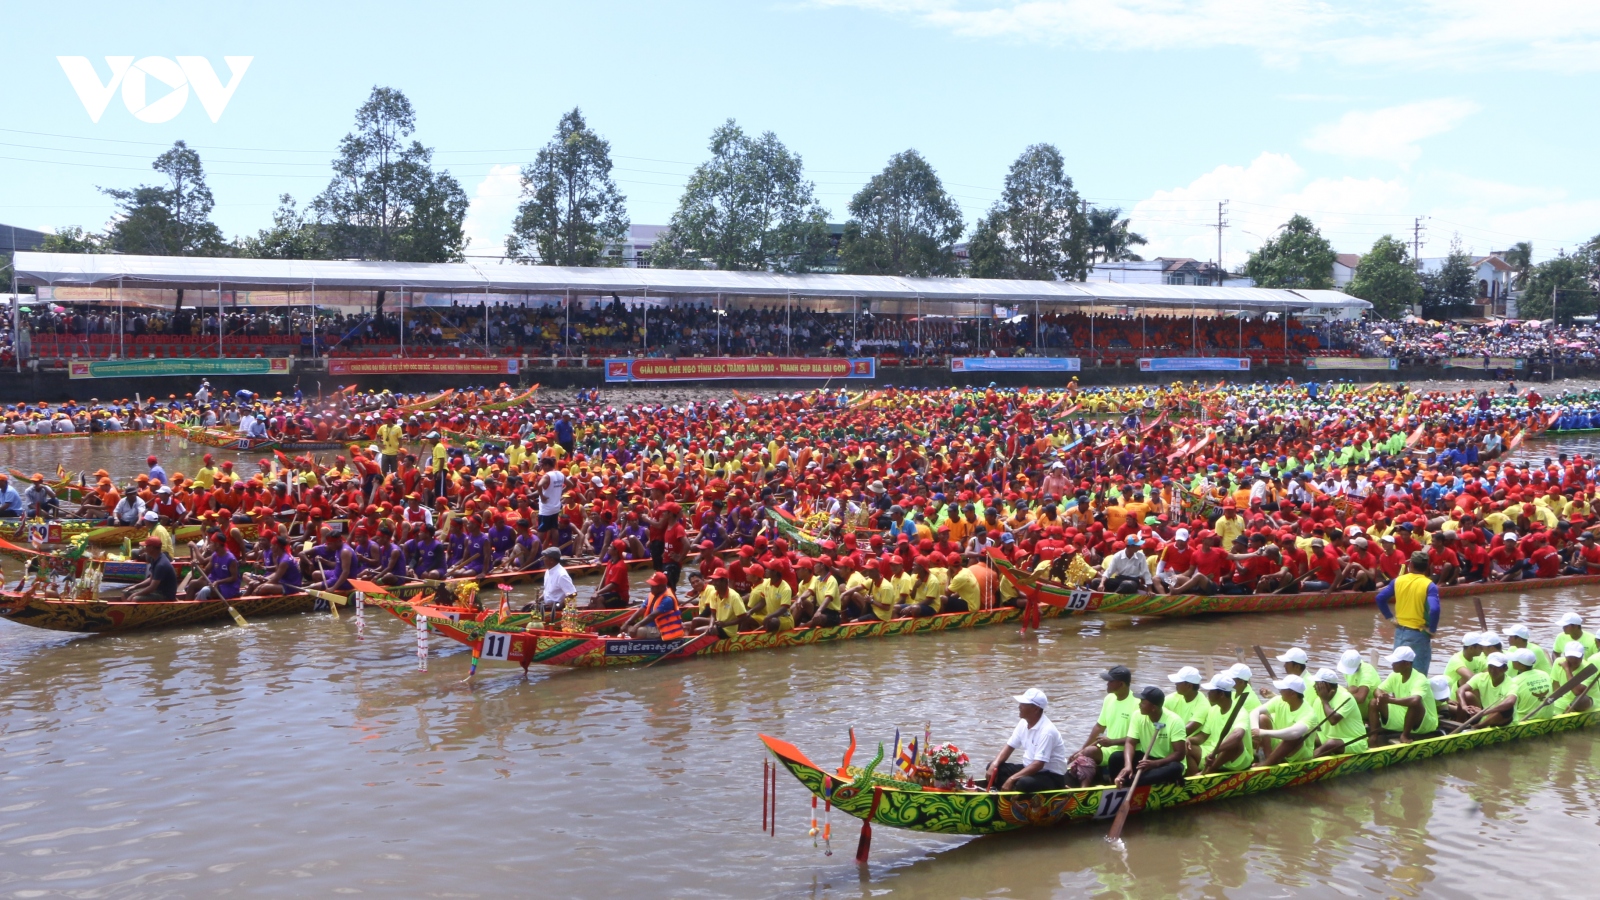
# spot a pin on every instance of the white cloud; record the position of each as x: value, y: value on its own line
x: 1392, y: 133
x: 494, y: 205
x: 1558, y: 35
x: 1261, y: 196
x: 1354, y: 212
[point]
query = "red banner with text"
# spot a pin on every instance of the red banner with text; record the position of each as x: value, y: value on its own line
x: 381, y: 366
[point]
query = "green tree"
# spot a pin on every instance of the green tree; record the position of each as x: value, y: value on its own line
x: 1387, y: 279
x: 294, y: 235
x: 1520, y: 258
x: 902, y: 223
x: 573, y: 211
x: 173, y: 219
x: 1568, y: 278
x: 74, y: 240
x: 1110, y: 237
x: 749, y: 207
x: 1299, y: 257
x: 1037, y: 229
x: 1451, y: 289
x: 385, y: 200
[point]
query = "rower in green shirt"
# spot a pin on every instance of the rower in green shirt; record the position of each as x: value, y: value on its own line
x: 1345, y: 728
x: 1290, y: 721
x: 1116, y: 713
x: 1186, y: 701
x: 1487, y: 688
x: 1156, y: 744
x: 1572, y: 630
x: 1529, y: 687
x: 1360, y: 677
x: 1218, y: 752
x: 1404, y: 704
x: 1520, y: 637
x: 1567, y: 668
x: 1460, y: 666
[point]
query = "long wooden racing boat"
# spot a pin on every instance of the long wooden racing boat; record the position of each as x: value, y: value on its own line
x: 547, y: 646
x: 217, y: 437
x: 515, y: 642
x: 117, y: 616
x: 514, y: 402
x: 1081, y: 600
x: 75, y: 434
x: 864, y: 793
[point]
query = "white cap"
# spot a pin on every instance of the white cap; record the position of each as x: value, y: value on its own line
x: 1182, y: 534
x: 1388, y: 539
x: 1498, y: 659
x: 1518, y: 630
x: 1291, y: 683
x: 1034, y: 696
x: 1441, y: 687
x: 1489, y: 639
x: 1349, y: 662
x: 1328, y: 676
x: 1400, y: 655
x: 1470, y: 639
x: 1574, y: 650
x: 1294, y: 655
x: 1218, y: 683
x: 1570, y: 618
x: 1524, y: 656
x: 1186, y: 674
x: 1510, y: 537
x: 1239, y: 672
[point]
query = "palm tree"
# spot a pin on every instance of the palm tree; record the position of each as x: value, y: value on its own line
x: 1110, y: 239
x: 1520, y: 257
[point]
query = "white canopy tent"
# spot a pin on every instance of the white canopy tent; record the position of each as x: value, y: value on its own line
x: 888, y: 294
x: 104, y: 270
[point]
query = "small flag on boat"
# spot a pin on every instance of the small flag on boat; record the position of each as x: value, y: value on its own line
x: 906, y: 757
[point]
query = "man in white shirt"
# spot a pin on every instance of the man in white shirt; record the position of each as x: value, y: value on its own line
x: 558, y: 586
x: 1127, y: 571
x: 129, y: 510
x: 1044, y: 754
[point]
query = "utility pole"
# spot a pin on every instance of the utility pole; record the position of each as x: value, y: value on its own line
x: 1416, y: 243
x: 1222, y: 208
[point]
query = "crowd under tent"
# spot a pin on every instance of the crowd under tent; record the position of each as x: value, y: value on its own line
x: 225, y: 283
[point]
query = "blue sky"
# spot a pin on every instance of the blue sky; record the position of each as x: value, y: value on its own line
x: 1362, y: 115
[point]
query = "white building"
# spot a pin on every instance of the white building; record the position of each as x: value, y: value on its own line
x: 1344, y: 269
x: 1161, y: 270
x: 1493, y: 276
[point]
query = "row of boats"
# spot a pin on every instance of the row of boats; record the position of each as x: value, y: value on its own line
x: 581, y: 638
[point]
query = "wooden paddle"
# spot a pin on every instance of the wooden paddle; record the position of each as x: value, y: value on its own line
x: 1227, y: 727
x: 1262, y: 655
x: 1483, y: 623
x: 1115, y: 834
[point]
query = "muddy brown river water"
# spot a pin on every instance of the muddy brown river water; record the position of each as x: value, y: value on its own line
x: 300, y: 757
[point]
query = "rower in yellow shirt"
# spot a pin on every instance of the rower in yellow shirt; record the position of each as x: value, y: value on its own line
x: 771, y: 602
